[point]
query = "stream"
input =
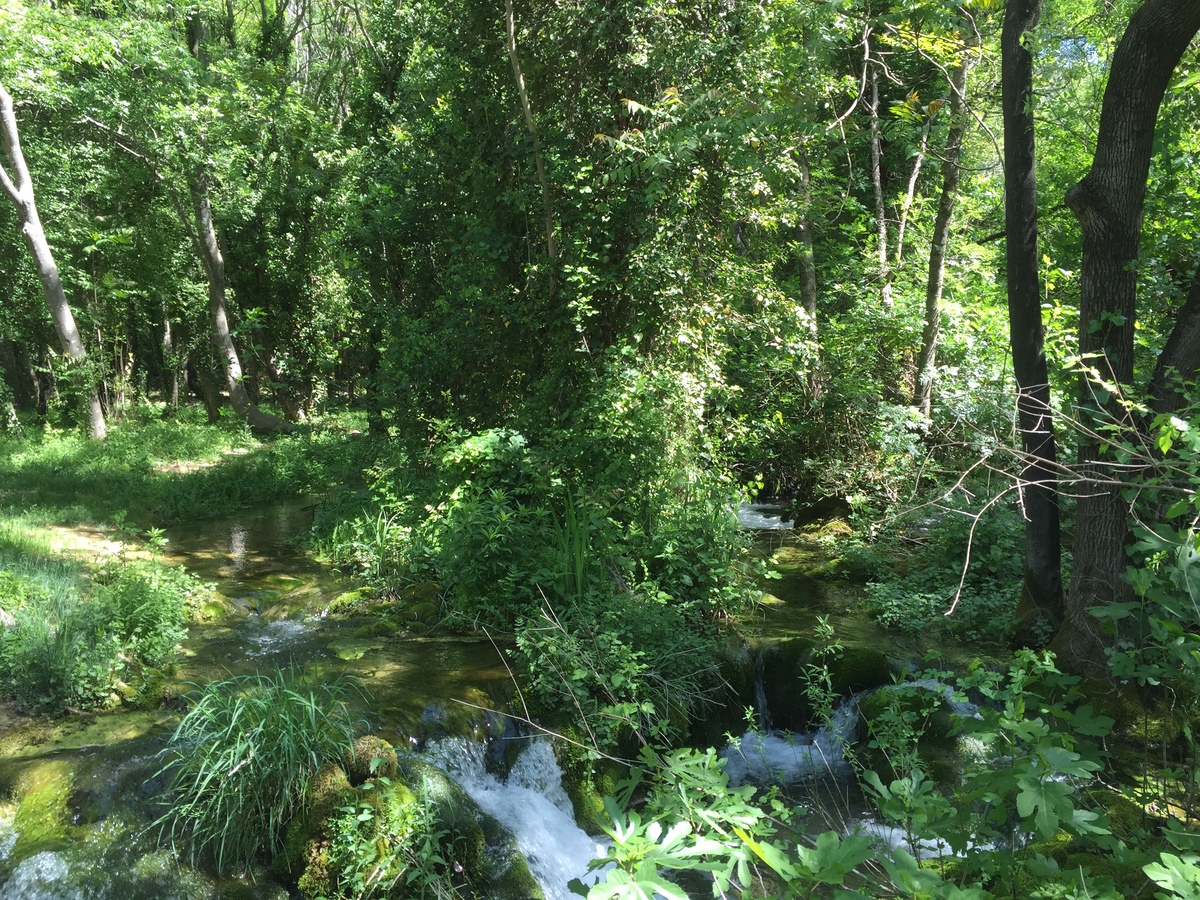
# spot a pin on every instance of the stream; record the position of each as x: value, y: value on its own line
x: 436, y: 693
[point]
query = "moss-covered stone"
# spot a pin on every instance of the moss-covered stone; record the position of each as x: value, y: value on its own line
x: 304, y: 860
x: 859, y: 669
x: 379, y: 628
x: 371, y: 756
x: 43, y: 820
x: 587, y: 780
x: 454, y: 812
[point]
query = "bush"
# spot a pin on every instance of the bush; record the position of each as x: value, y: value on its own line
x: 240, y: 762
x: 67, y: 649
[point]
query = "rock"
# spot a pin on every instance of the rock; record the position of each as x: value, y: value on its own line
x: 370, y: 757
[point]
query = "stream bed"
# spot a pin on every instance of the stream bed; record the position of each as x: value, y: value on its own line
x: 442, y: 694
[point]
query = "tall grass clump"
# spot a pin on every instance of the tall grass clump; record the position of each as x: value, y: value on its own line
x: 240, y: 763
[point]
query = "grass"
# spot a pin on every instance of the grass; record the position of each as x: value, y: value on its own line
x: 162, y: 472
x: 241, y: 761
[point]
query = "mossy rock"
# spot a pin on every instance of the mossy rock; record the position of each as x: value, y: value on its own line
x: 371, y: 756
x: 484, y: 849
x: 349, y: 600
x: 859, y: 669
x: 422, y: 592
x: 353, y: 648
x: 587, y: 780
x: 426, y: 612
x: 784, y: 666
x: 1127, y: 877
x: 305, y: 857
x: 384, y: 628
x: 43, y: 820
x: 453, y: 810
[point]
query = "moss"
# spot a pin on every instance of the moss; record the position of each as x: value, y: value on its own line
x: 370, y: 756
x: 354, y: 648
x: 378, y: 628
x: 422, y: 592
x: 587, y: 780
x: 859, y: 669
x: 426, y: 612
x: 1128, y: 878
x: 305, y: 856
x: 453, y: 810
x: 43, y: 820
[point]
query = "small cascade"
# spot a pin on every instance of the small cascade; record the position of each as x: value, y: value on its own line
x: 782, y: 758
x: 763, y: 517
x: 531, y: 803
x: 762, y: 710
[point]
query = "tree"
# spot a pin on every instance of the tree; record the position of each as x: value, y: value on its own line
x: 1041, y: 593
x: 939, y: 244
x: 19, y: 187
x: 1109, y: 203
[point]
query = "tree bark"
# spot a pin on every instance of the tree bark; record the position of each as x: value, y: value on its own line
x: 214, y: 270
x: 19, y: 188
x: 911, y: 193
x: 951, y: 173
x: 510, y: 27
x: 881, y: 229
x: 1040, y: 611
x: 1109, y: 203
x: 1180, y: 358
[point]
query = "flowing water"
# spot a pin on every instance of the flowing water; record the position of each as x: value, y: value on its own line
x: 271, y: 612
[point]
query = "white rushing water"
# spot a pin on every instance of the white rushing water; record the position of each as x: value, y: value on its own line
x: 779, y: 758
x: 532, y: 804
x: 763, y: 516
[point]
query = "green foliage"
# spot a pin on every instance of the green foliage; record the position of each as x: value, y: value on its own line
x: 965, y: 558
x: 70, y: 642
x: 388, y: 844
x: 240, y: 762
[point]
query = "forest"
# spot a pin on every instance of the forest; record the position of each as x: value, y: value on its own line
x: 379, y: 376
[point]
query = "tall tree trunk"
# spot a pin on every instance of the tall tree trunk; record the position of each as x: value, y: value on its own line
x: 171, y: 367
x: 1040, y: 611
x: 808, y: 277
x: 207, y: 390
x: 214, y: 270
x: 911, y: 193
x: 1109, y: 203
x: 510, y: 28
x: 881, y: 229
x: 19, y: 188
x: 927, y: 359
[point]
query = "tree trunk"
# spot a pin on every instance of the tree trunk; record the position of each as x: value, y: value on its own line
x: 1180, y: 358
x: 171, y: 368
x: 510, y: 27
x: 808, y: 263
x: 19, y: 189
x: 922, y: 148
x: 927, y: 359
x: 881, y: 229
x: 207, y: 390
x: 1109, y: 203
x: 214, y: 269
x: 1040, y: 611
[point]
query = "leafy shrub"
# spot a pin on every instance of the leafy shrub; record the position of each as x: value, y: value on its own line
x: 66, y: 648
x: 388, y: 844
x: 145, y: 604
x: 914, y: 593
x: 240, y: 762
x: 624, y: 665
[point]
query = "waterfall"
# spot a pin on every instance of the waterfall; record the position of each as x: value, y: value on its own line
x: 782, y: 758
x: 531, y: 803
